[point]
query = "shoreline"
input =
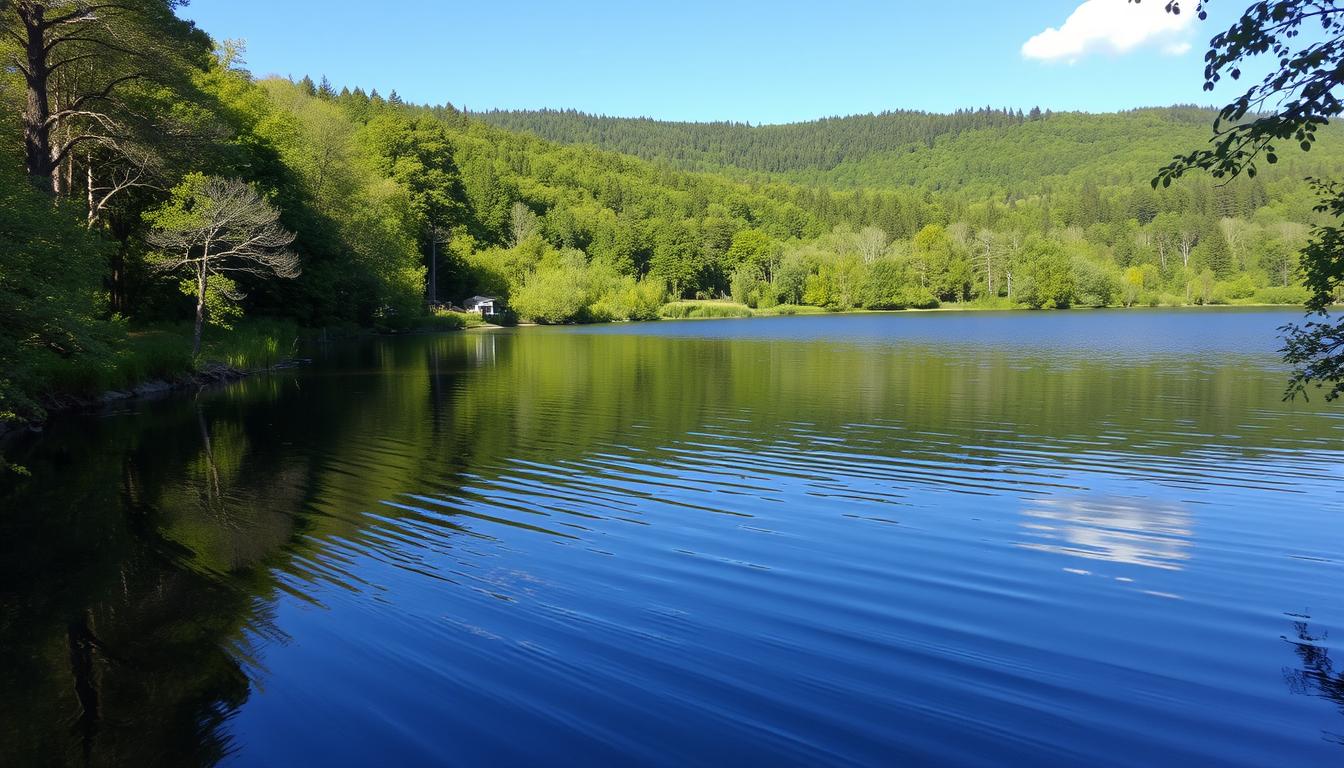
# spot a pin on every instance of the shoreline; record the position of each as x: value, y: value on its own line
x: 212, y: 375
x: 216, y: 374
x: 755, y: 314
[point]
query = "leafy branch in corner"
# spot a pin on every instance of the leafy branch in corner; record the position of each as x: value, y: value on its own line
x: 1292, y: 101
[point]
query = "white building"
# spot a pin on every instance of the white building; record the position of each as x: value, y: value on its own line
x: 486, y: 305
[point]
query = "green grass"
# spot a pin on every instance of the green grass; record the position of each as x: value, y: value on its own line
x: 436, y: 321
x: 251, y: 345
x: 688, y: 310
x: 790, y: 309
x: 162, y: 352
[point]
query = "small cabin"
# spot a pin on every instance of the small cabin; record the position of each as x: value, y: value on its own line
x: 486, y: 305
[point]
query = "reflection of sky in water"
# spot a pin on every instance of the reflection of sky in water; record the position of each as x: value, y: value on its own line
x: 1116, y: 335
x: 862, y: 539
x: 1143, y: 532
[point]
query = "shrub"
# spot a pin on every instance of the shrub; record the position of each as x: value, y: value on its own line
x: 679, y: 310
x: 628, y: 299
x: 1094, y: 284
x: 1243, y: 287
x: 915, y: 297
x: 553, y: 294
x: 790, y: 309
x: 442, y: 320
x: 1286, y: 294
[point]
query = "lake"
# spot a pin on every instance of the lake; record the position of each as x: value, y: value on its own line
x: 1073, y: 538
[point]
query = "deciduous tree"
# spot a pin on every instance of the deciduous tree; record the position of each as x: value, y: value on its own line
x: 214, y: 228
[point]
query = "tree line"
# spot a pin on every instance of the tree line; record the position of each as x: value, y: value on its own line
x: 133, y: 128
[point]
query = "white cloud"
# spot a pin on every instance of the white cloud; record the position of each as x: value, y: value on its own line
x: 1111, y: 26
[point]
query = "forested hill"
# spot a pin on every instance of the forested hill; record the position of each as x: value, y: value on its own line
x: 817, y: 145
x: 986, y: 151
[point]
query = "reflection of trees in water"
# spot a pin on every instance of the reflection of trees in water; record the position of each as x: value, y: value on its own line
x: 1317, y: 675
x: 137, y: 576
x: 134, y: 585
x: 1119, y: 530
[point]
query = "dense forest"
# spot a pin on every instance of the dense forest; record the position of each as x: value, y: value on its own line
x: 818, y: 145
x: 120, y: 130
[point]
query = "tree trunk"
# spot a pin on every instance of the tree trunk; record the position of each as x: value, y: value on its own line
x: 116, y: 279
x: 93, y: 207
x: 38, y: 161
x: 200, y: 310
x: 433, y: 267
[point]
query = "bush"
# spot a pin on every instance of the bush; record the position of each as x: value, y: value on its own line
x: 915, y: 297
x: 1243, y: 287
x: 50, y: 305
x: 994, y: 302
x: 442, y: 320
x: 1094, y: 284
x: 1286, y: 294
x: 789, y: 310
x: 628, y: 299
x: 686, y: 310
x: 553, y: 294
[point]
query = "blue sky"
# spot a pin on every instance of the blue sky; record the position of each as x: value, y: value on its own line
x: 756, y: 60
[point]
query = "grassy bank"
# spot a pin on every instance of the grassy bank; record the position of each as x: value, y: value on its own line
x: 705, y: 309
x: 162, y: 353
x: 439, y: 320
x: 125, y: 358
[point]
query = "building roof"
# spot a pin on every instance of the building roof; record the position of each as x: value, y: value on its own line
x: 479, y: 299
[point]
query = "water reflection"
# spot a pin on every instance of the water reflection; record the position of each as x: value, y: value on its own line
x: 1316, y: 676
x: 1143, y: 532
x: 688, y: 522
x: 125, y: 644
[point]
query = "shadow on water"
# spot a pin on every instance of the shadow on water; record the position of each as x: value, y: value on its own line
x: 130, y: 591
x: 143, y: 563
x: 1316, y: 676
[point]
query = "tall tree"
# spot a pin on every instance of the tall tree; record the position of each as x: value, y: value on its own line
x: 418, y: 153
x: 77, y: 58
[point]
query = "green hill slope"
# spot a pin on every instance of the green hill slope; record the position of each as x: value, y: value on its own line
x: 983, y: 152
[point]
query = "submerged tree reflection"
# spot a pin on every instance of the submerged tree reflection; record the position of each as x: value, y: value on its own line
x: 1317, y: 675
x: 130, y: 570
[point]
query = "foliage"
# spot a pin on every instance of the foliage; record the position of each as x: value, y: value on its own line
x: 1047, y: 277
x: 50, y: 274
x: 699, y: 310
x: 213, y: 228
x: 442, y: 320
x: 558, y: 291
x: 1292, y: 103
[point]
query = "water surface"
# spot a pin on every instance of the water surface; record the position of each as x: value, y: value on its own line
x: 1087, y: 538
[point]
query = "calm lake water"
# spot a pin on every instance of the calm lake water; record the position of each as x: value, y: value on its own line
x: 1088, y: 538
